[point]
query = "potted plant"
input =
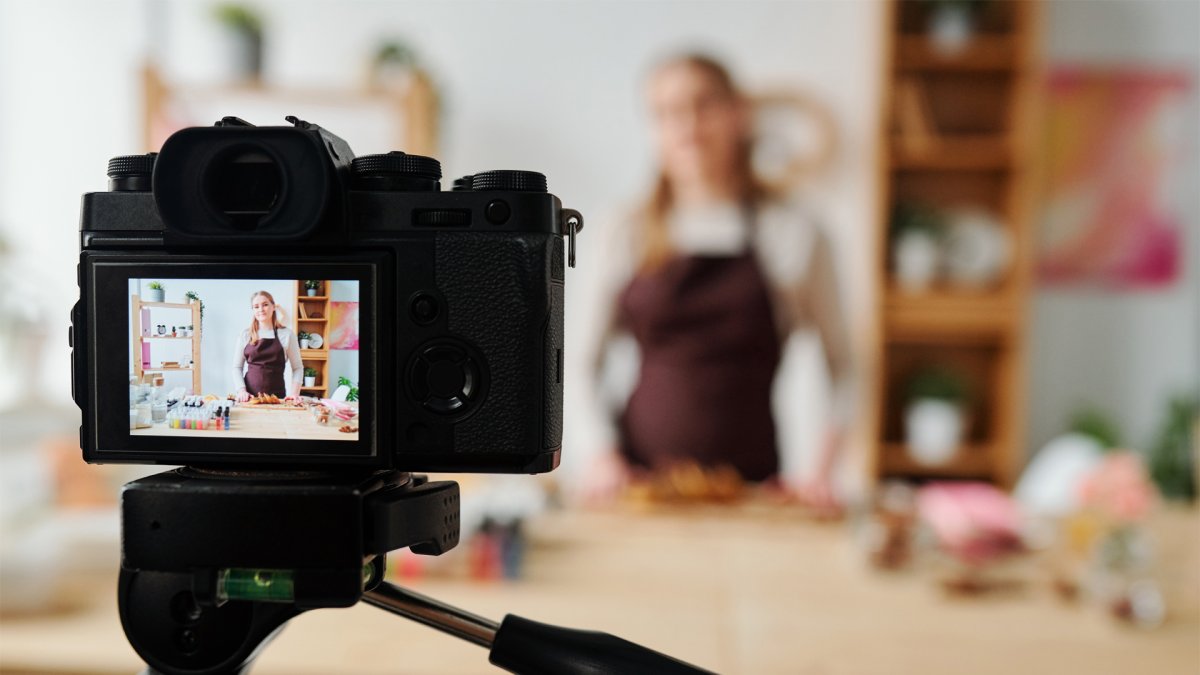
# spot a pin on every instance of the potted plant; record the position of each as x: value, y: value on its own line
x: 192, y: 296
x: 393, y: 64
x: 244, y: 38
x: 916, y: 233
x: 351, y: 388
x: 156, y: 292
x: 310, y: 377
x: 304, y: 337
x: 191, y: 330
x: 935, y: 416
x: 311, y: 286
x: 951, y: 23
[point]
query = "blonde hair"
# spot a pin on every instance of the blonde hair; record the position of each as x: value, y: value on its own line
x: 275, y: 325
x: 750, y: 189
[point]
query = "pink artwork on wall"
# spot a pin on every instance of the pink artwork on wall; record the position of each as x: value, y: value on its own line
x: 1113, y: 138
x: 343, y: 325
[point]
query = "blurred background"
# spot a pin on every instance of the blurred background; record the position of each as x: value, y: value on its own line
x: 1008, y: 191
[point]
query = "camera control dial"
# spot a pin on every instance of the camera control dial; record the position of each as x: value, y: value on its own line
x: 445, y: 379
x: 131, y: 173
x: 509, y: 180
x: 397, y: 171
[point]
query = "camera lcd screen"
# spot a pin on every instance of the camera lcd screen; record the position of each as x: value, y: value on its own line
x: 246, y: 361
x: 244, y: 358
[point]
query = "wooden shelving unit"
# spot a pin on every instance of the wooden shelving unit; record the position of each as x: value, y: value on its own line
x: 312, y: 316
x: 957, y: 132
x: 138, y: 338
x: 412, y: 113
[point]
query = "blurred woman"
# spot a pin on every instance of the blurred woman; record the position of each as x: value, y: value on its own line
x: 709, y: 276
x: 265, y: 353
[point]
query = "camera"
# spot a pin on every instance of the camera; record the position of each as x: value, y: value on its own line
x: 302, y: 329
x: 273, y: 301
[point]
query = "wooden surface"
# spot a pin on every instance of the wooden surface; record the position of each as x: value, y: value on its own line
x: 738, y: 591
x: 264, y: 422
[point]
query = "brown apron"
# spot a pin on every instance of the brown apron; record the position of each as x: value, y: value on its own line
x: 709, y: 350
x: 265, y: 362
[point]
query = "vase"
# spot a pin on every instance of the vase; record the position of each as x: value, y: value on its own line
x: 310, y: 381
x: 154, y: 295
x: 1120, y: 578
x: 933, y: 430
x: 915, y: 260
x: 242, y: 53
x: 304, y: 343
x: 310, y: 291
x: 950, y: 28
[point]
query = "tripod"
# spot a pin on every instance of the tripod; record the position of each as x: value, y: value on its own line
x: 215, y: 563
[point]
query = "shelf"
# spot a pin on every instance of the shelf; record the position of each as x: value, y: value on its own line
x: 913, y: 316
x: 169, y: 305
x: 321, y: 389
x: 315, y: 354
x: 984, y: 53
x: 307, y: 95
x: 971, y: 461
x: 314, y: 298
x: 952, y: 153
x: 303, y: 320
x: 155, y: 370
x: 164, y: 337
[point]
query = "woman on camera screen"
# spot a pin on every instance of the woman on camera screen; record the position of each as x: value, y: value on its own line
x: 709, y: 276
x: 265, y: 353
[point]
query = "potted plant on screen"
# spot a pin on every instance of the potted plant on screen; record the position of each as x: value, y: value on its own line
x: 304, y: 339
x: 310, y: 377
x: 935, y: 419
x: 311, y: 286
x: 193, y: 296
x: 156, y: 292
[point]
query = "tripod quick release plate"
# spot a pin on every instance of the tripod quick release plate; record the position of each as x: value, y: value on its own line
x: 314, y: 532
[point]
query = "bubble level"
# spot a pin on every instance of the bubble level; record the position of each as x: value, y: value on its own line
x: 256, y: 585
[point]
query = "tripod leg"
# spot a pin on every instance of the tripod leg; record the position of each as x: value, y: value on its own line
x: 175, y: 635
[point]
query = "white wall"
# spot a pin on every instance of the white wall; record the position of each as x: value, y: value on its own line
x: 1124, y: 352
x: 552, y: 86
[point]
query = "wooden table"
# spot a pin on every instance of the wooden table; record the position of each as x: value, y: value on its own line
x: 741, y: 591
x: 263, y: 422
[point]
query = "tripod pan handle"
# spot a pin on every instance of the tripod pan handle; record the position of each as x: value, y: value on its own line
x: 531, y: 648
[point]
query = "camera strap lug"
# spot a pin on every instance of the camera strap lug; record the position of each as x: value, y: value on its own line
x: 574, y: 225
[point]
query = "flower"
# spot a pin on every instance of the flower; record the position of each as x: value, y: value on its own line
x: 1119, y: 488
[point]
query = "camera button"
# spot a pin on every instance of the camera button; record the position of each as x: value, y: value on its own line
x: 497, y: 212
x: 424, y: 308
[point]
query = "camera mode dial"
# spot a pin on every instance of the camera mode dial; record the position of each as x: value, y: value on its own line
x: 131, y: 173
x: 509, y: 180
x: 397, y: 171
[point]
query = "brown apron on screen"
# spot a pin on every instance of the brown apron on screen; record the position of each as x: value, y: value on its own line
x: 265, y: 362
x: 709, y: 348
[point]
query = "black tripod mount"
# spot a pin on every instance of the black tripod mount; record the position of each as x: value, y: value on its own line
x: 215, y: 563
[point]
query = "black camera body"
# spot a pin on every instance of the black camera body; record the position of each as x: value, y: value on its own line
x: 458, y: 298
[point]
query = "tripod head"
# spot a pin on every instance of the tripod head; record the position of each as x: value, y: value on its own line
x: 214, y: 563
